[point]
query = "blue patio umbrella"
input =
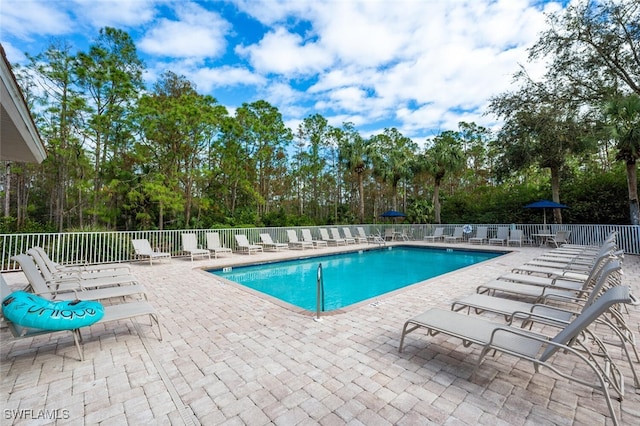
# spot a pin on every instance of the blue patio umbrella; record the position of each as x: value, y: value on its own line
x: 392, y: 213
x: 545, y: 204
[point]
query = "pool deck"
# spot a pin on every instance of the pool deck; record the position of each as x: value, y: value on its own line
x: 231, y: 357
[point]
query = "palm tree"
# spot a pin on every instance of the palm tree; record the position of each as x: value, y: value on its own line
x: 444, y: 157
x: 354, y: 154
x: 624, y: 128
x: 392, y: 155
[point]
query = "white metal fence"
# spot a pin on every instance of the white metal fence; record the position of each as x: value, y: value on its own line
x: 111, y: 247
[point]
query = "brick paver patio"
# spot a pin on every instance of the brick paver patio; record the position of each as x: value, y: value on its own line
x: 232, y: 357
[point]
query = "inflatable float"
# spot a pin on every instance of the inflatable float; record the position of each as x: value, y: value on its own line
x: 29, y: 310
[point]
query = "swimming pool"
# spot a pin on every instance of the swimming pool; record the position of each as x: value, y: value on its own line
x: 351, y: 277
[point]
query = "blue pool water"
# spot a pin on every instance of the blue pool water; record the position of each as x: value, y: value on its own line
x: 351, y: 277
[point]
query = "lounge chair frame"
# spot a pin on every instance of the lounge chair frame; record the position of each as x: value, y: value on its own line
x: 356, y: 238
x: 481, y: 235
x: 533, y: 347
x: 458, y: 235
x: 324, y: 235
x: 104, y: 269
x: 306, y: 236
x: 438, y: 234
x: 502, y: 235
x: 373, y: 238
x: 190, y: 246
x: 335, y: 234
x: 39, y: 285
x: 295, y: 243
x: 113, y: 312
x: 214, y: 245
x: 142, y: 249
x: 268, y: 244
x: 244, y: 246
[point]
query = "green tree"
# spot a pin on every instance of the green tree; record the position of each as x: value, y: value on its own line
x: 541, y: 128
x: 594, y: 48
x: 310, y: 162
x: 624, y: 128
x: 265, y: 138
x: 230, y: 182
x: 60, y: 125
x: 443, y: 156
x: 475, y: 142
x: 354, y: 153
x: 178, y: 126
x: 110, y: 74
x: 392, y: 157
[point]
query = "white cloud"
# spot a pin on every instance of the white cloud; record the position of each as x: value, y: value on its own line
x: 208, y: 79
x: 14, y: 55
x: 28, y: 18
x: 420, y: 66
x: 115, y: 13
x: 197, y: 33
x: 282, y: 52
x: 275, y: 11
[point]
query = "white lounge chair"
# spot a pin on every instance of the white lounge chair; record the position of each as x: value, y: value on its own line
x: 112, y: 312
x: 537, y: 348
x: 438, y: 234
x: 190, y: 245
x: 81, y: 290
x: 481, y: 235
x: 295, y: 243
x: 63, y: 281
x: 324, y: 235
x: 307, y: 237
x: 268, y: 243
x: 501, y: 236
x: 539, y: 288
x: 389, y: 234
x: 335, y: 234
x: 562, y: 237
x: 373, y: 238
x: 54, y: 274
x: 567, y: 263
x: 515, y: 237
x: 556, y: 315
x: 143, y: 249
x: 244, y: 246
x: 357, y: 238
x: 607, y: 277
x: 405, y: 236
x: 214, y: 245
x: 458, y: 234
x: 104, y: 269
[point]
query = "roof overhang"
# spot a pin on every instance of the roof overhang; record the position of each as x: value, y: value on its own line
x: 19, y: 137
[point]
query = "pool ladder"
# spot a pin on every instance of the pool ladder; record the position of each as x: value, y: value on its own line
x: 319, y: 294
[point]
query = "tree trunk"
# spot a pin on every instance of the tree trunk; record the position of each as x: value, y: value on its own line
x: 7, y: 189
x: 436, y: 201
x: 394, y: 188
x: 555, y: 193
x: 361, y: 190
x: 632, y: 184
x: 160, y: 216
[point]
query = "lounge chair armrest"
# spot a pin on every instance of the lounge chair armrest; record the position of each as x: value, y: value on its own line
x: 531, y: 316
x: 40, y: 293
x: 553, y: 308
x: 562, y: 298
x: 518, y: 332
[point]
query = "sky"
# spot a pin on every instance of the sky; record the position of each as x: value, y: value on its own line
x: 421, y: 66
